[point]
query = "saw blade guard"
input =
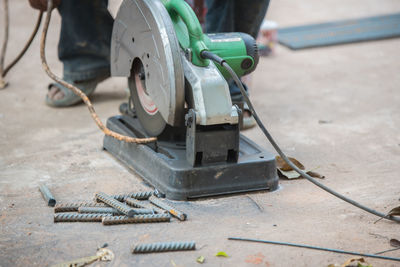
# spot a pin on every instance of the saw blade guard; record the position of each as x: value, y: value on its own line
x: 144, y: 31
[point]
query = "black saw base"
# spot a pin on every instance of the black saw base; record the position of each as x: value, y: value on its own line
x: 164, y: 165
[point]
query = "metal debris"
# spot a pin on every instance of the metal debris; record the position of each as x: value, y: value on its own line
x: 99, y: 210
x: 111, y: 220
x: 51, y: 201
x: 115, y: 204
x: 80, y: 217
x: 163, y: 247
x: 164, y: 205
x: 71, y: 207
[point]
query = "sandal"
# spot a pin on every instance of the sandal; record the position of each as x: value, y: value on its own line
x: 70, y: 98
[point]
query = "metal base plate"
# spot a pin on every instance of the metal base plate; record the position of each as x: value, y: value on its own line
x: 164, y: 165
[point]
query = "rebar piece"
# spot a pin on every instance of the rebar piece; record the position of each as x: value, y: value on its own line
x: 99, y: 210
x: 125, y: 209
x: 51, y: 201
x: 70, y: 207
x: 143, y: 205
x: 166, y: 206
x: 136, y: 195
x: 153, y: 218
x: 164, y: 247
x: 80, y: 217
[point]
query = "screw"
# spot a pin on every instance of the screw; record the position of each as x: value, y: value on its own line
x: 115, y: 204
x: 163, y: 247
x: 77, y: 217
x: 69, y: 207
x: 51, y: 201
x: 136, y: 219
x: 164, y: 205
x: 99, y: 210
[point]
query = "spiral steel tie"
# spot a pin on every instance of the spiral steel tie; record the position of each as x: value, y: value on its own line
x: 164, y: 247
x: 115, y: 204
x: 164, y: 205
x: 153, y: 218
x: 79, y: 217
x: 70, y: 207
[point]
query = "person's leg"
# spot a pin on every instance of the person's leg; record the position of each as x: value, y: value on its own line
x: 84, y: 45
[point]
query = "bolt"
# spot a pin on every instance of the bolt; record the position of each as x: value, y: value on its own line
x: 69, y: 207
x: 136, y: 219
x: 79, y: 217
x: 165, y: 206
x: 163, y: 247
x: 51, y: 201
x: 115, y: 204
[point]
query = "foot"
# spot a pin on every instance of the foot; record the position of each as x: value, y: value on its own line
x: 60, y: 96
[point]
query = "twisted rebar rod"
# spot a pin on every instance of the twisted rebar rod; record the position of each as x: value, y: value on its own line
x: 70, y: 207
x: 166, y: 206
x: 99, y: 210
x: 80, y: 217
x: 125, y: 209
x: 163, y: 247
x: 152, y: 218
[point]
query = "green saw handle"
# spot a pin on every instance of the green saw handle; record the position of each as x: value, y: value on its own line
x: 196, y: 36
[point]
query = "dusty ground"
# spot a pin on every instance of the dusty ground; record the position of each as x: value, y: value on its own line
x: 355, y: 87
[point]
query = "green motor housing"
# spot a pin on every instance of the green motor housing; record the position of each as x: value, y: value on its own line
x: 239, y: 50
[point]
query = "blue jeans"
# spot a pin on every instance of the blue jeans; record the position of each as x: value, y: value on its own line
x: 86, y: 28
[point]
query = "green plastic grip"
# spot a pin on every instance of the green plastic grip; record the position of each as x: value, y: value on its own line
x: 179, y: 8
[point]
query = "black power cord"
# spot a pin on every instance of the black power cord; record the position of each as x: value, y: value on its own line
x: 222, y: 62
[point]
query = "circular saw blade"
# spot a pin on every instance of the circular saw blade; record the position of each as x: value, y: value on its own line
x: 146, y: 110
x: 143, y: 31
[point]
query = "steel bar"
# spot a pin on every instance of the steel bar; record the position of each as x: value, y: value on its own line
x: 80, y: 217
x: 125, y: 209
x: 99, y: 210
x: 316, y: 248
x: 143, y: 205
x: 164, y: 205
x: 136, y: 195
x: 136, y: 219
x: 70, y: 207
x: 51, y: 201
x: 163, y: 247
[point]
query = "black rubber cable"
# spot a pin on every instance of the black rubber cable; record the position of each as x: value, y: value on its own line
x: 316, y: 248
x: 239, y: 83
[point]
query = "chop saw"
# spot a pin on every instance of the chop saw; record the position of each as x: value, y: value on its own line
x: 183, y: 99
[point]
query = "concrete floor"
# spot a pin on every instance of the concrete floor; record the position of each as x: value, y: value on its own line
x: 356, y: 87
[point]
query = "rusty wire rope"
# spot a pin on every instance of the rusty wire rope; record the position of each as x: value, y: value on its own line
x: 5, y: 70
x: 78, y: 92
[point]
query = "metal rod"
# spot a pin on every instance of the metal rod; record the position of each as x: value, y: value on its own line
x: 163, y: 247
x: 115, y: 204
x: 316, y: 248
x: 164, y: 205
x: 3, y: 84
x: 136, y: 219
x: 143, y: 205
x: 79, y: 217
x: 70, y: 207
x: 51, y: 201
x: 136, y: 195
x: 99, y: 210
